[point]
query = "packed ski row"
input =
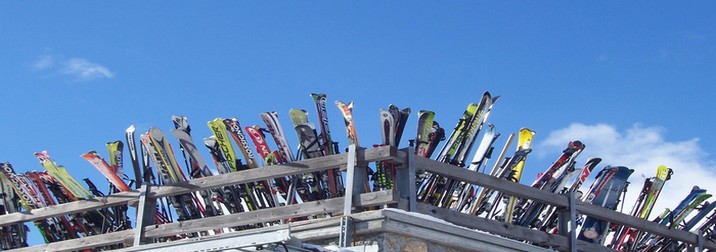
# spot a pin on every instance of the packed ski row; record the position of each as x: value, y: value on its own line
x: 562, y: 177
x: 154, y: 162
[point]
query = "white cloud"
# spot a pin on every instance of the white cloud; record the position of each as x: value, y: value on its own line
x: 78, y: 68
x: 83, y: 69
x: 642, y: 149
x: 43, y: 62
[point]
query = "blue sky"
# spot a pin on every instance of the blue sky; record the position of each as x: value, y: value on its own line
x: 633, y: 81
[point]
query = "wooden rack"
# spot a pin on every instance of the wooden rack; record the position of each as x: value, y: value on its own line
x: 356, y: 200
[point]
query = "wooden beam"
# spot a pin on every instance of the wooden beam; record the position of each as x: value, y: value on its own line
x: 334, y: 205
x: 274, y: 171
x: 641, y: 224
x: 116, y: 199
x: 123, y: 237
x: 484, y: 180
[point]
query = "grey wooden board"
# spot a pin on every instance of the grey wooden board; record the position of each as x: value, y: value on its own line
x: 334, y: 205
x: 124, y: 237
x: 123, y: 198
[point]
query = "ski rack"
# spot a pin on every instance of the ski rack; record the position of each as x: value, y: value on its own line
x: 350, y: 212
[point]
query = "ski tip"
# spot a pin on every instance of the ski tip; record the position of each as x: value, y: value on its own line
x: 131, y: 129
x: 494, y: 98
x: 342, y: 104
x: 318, y: 96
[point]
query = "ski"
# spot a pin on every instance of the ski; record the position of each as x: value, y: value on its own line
x: 310, y: 147
x: 197, y: 167
x: 548, y: 220
x: 236, y: 198
x: 262, y: 189
x: 139, y: 180
x: 274, y: 127
x: 221, y: 137
x: 422, y: 140
x: 524, y: 146
x: 15, y: 235
x: 478, y: 205
x: 461, y: 197
x: 605, y: 191
x: 160, y: 153
x: 31, y: 199
x: 347, y: 112
x: 334, y: 176
x: 63, y: 177
x: 549, y: 182
x: 625, y: 236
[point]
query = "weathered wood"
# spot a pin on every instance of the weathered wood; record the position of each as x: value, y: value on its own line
x: 364, y: 223
x: 405, y: 180
x: 558, y: 200
x: 334, y: 205
x: 484, y: 180
x: 116, y: 199
x: 641, y: 224
x: 233, y: 241
x: 259, y: 174
x: 274, y: 171
x: 145, y: 214
x: 123, y: 237
x: 354, y: 177
x: 503, y: 229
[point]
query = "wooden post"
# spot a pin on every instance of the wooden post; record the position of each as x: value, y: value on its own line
x: 572, y: 222
x: 355, y: 179
x: 145, y: 213
x: 567, y: 222
x: 405, y: 180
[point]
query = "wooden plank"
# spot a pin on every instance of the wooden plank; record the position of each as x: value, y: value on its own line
x: 116, y: 199
x: 124, y: 237
x: 508, y: 230
x: 275, y: 171
x: 334, y: 205
x: 364, y: 223
x: 641, y: 224
x: 484, y: 180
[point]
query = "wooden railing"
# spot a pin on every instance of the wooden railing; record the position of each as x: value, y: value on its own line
x: 356, y: 199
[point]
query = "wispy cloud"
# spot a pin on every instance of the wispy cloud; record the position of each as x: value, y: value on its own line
x: 43, y: 62
x: 78, y: 69
x: 642, y: 149
x: 83, y: 69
